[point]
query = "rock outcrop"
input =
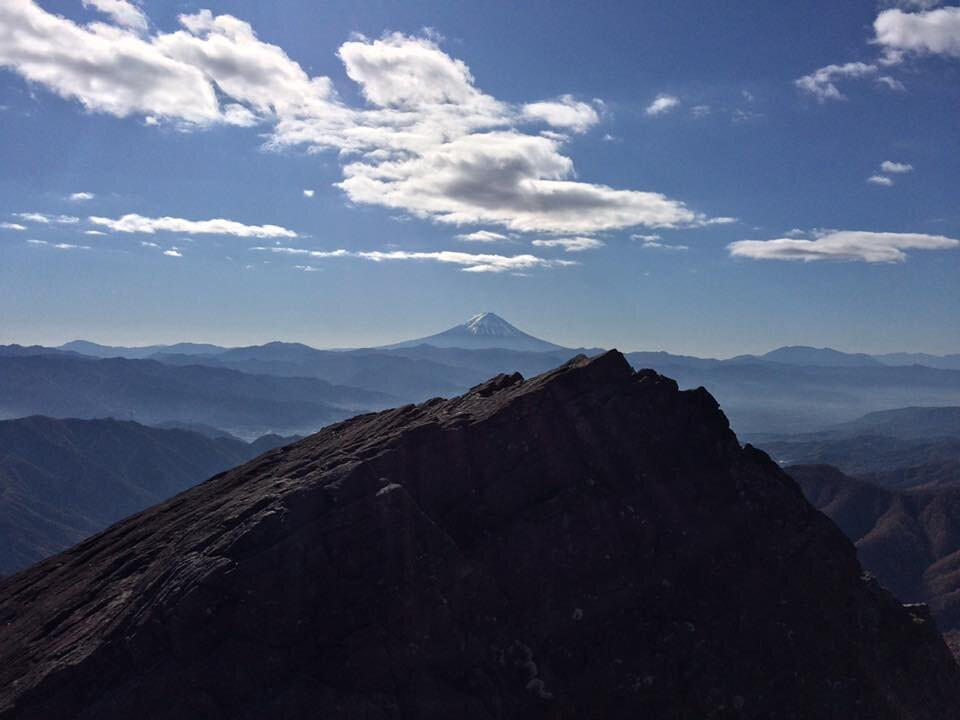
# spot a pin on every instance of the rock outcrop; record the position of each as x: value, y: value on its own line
x: 590, y: 543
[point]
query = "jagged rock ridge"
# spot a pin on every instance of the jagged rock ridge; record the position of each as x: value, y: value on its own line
x: 588, y: 543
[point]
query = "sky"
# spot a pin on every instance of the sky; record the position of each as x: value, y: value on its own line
x: 698, y: 177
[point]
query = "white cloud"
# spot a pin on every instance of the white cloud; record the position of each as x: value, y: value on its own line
x: 934, y: 31
x: 646, y: 238
x: 483, y: 236
x: 105, y: 67
x: 173, y: 252
x: 657, y: 245
x: 93, y: 232
x: 81, y: 196
x: 308, y: 193
x: 897, y: 33
x: 563, y: 113
x: 428, y: 142
x: 891, y: 83
x: 307, y: 268
x: 822, y: 82
x: 880, y: 180
x: 662, y: 104
x: 888, y: 166
x: 122, y: 12
x: 147, y: 243
x: 58, y: 246
x: 795, y: 232
x: 45, y: 219
x: 468, y: 262
x: 12, y: 226
x: 571, y: 244
x: 134, y: 223
x: 850, y: 245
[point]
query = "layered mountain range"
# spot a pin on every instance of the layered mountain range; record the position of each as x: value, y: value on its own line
x: 64, y: 480
x: 791, y: 389
x: 593, y: 542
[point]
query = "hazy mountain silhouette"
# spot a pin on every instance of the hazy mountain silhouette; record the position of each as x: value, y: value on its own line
x: 85, y: 347
x: 63, y: 480
x: 819, y: 357
x: 147, y: 391
x: 945, y: 362
x: 589, y: 543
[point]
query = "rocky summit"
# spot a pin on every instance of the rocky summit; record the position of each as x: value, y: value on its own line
x: 589, y: 543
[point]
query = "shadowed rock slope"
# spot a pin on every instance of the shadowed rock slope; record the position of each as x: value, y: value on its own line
x: 590, y: 543
x: 910, y: 539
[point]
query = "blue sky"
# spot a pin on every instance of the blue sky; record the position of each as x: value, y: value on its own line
x: 706, y: 178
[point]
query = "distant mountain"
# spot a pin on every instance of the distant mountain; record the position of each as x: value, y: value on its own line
x: 588, y: 543
x: 904, y: 447
x: 23, y: 350
x: 879, y: 455
x: 945, y: 362
x: 151, y: 392
x: 811, y: 356
x: 407, y: 378
x: 63, y: 480
x: 773, y: 397
x: 483, y: 331
x: 85, y: 347
x: 907, y: 423
x: 909, y: 539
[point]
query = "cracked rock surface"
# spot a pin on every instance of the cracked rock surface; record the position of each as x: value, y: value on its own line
x: 589, y: 543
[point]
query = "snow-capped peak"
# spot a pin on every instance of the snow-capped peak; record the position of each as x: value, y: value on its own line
x: 489, y: 324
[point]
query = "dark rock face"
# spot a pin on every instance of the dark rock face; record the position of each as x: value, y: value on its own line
x: 591, y: 543
x: 910, y: 539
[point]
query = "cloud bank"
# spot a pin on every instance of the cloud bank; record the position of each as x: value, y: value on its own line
x: 849, y: 245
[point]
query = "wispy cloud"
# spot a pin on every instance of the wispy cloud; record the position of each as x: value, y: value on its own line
x: 880, y: 180
x: 849, y: 245
x: 12, y: 226
x: 173, y: 252
x: 57, y: 246
x: 121, y: 12
x: 80, y: 196
x: 428, y: 142
x: 662, y: 104
x: 468, y: 262
x: 822, y: 82
x: 44, y: 219
x: 133, y: 223
x: 483, y: 236
x: 571, y: 244
x: 308, y: 193
x: 657, y: 245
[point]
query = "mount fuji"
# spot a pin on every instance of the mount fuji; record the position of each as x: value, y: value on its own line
x: 484, y: 331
